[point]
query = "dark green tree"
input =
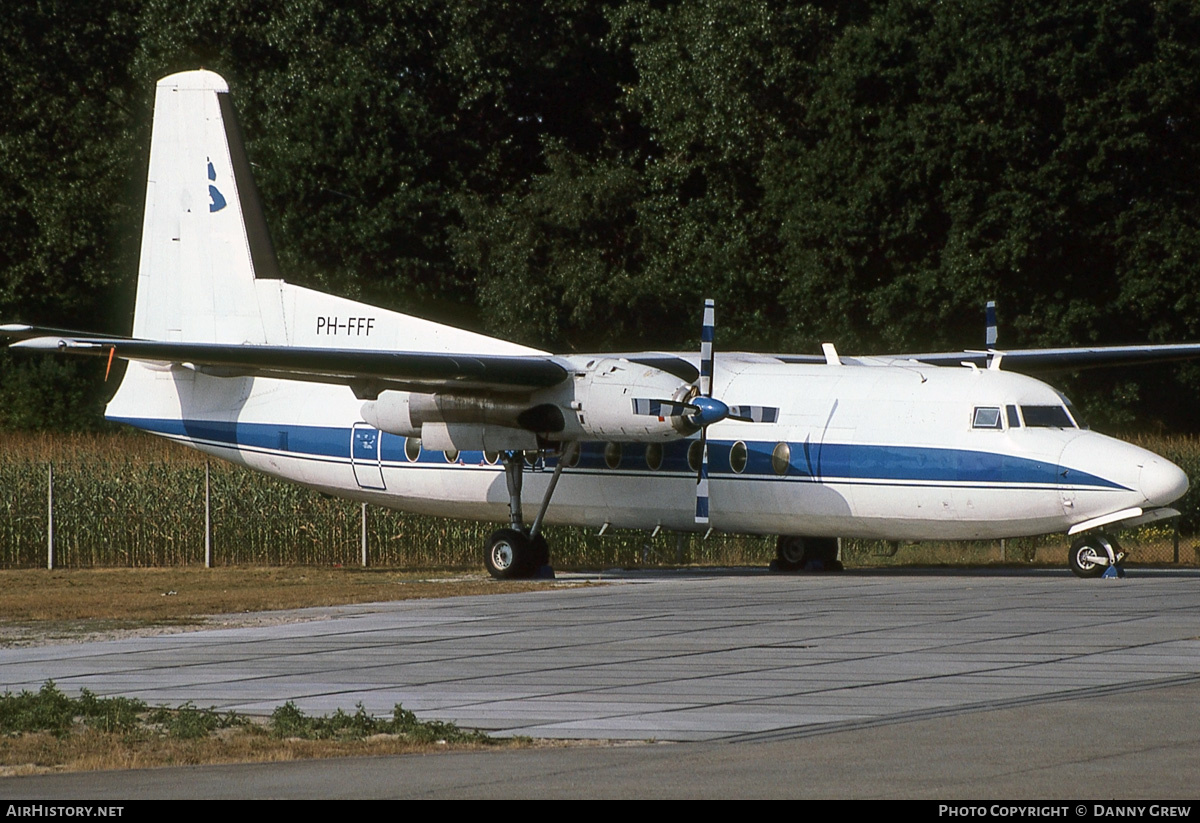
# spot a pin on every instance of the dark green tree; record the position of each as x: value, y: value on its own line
x: 69, y: 206
x: 1040, y: 154
x: 579, y: 175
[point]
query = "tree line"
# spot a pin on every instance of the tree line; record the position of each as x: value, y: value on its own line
x: 580, y: 175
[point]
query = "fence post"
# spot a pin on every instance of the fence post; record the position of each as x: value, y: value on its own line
x: 1175, y: 539
x: 364, y: 535
x: 207, y: 518
x: 49, y: 515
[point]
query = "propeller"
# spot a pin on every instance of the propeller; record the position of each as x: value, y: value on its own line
x: 699, y: 409
x: 711, y: 411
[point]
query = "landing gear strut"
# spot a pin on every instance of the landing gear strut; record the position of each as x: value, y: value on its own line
x: 517, y: 552
x: 1096, y: 555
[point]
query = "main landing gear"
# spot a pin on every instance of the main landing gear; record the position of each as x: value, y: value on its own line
x: 517, y: 552
x: 1096, y: 555
x: 793, y: 554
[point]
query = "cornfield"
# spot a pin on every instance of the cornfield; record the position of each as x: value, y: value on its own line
x: 127, y: 499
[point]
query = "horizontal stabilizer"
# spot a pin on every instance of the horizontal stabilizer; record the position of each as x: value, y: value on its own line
x: 20, y: 331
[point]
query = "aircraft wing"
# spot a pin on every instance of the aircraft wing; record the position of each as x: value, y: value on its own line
x: 1065, y: 359
x: 1029, y: 360
x: 365, y: 371
x: 368, y: 371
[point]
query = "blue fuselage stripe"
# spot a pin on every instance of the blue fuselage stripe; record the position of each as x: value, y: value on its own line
x: 832, y: 462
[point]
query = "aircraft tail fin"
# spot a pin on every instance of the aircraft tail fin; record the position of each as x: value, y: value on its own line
x: 204, y: 237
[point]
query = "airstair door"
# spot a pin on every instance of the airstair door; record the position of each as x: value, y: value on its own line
x: 365, y: 456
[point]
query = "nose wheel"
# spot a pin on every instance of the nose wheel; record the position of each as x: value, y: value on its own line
x: 1096, y: 555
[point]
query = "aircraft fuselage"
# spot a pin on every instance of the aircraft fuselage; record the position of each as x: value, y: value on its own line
x: 901, y: 452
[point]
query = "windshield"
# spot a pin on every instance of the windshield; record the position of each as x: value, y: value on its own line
x: 1047, y: 417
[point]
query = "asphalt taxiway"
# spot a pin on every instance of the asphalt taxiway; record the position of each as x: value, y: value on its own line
x: 866, y: 684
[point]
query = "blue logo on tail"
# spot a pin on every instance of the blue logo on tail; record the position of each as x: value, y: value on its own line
x: 218, y: 199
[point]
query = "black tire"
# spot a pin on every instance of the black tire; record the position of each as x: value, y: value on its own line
x: 541, y: 551
x: 823, y: 549
x: 1084, y: 554
x: 790, y: 553
x: 509, y: 555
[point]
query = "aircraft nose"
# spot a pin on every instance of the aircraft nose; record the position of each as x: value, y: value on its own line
x: 1161, y: 481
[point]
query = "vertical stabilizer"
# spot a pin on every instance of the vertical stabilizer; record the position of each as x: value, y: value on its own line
x: 204, y: 239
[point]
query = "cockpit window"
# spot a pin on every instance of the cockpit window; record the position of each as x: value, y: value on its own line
x: 1014, y: 422
x: 1078, y: 421
x: 986, y: 417
x: 1047, y: 417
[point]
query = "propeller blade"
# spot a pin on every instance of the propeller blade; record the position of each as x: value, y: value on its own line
x: 707, y: 338
x: 754, y: 414
x: 661, y: 408
x: 702, y: 482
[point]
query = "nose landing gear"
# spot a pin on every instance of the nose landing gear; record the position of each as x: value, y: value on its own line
x: 1096, y: 555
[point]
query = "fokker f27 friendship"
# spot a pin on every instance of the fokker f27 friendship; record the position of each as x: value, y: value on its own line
x: 398, y: 411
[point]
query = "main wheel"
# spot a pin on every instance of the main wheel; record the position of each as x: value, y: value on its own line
x: 1088, y: 557
x: 509, y: 555
x: 790, y: 553
x: 824, y: 550
x: 541, y: 551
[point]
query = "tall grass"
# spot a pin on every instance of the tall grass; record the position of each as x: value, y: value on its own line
x: 128, y: 499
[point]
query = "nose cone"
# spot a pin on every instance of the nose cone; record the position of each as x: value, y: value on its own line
x: 1161, y: 481
x: 1094, y: 461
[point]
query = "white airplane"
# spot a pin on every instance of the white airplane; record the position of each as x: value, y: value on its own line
x: 397, y: 411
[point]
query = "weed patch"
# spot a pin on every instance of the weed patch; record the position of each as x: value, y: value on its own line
x: 288, y: 721
x: 49, y: 730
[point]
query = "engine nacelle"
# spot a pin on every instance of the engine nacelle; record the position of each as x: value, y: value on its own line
x: 602, y: 403
x: 596, y: 403
x: 404, y: 413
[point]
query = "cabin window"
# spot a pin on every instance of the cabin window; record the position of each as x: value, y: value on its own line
x: 654, y: 455
x: 1014, y: 422
x: 451, y: 455
x: 695, y: 452
x: 491, y: 457
x: 781, y: 458
x: 573, y: 456
x: 738, y: 456
x: 612, y: 455
x: 412, y: 448
x: 987, y: 417
x: 1047, y: 417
